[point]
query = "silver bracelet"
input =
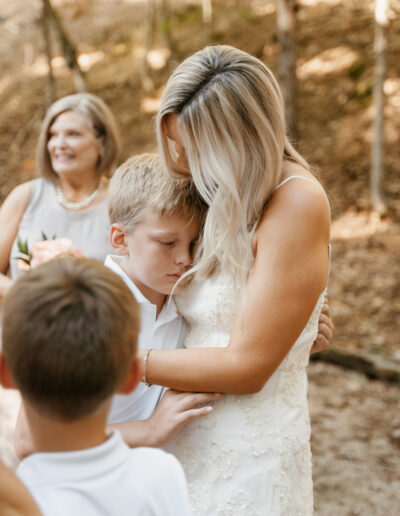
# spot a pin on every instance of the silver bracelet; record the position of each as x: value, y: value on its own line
x: 144, y: 379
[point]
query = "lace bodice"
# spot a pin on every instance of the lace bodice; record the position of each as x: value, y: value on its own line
x: 251, y: 456
x: 87, y: 230
x: 210, y: 307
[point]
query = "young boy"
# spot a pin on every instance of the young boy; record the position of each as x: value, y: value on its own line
x: 156, y: 221
x: 69, y: 343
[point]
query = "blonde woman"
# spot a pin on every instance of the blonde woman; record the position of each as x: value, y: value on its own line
x: 258, y: 287
x: 76, y: 153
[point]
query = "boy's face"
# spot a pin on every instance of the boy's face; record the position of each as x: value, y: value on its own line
x: 158, y: 252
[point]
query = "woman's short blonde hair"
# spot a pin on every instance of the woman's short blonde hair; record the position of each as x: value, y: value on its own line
x: 99, y: 117
x: 141, y: 184
x: 231, y: 119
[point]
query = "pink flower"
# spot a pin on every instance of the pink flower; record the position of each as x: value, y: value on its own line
x: 23, y: 262
x: 46, y: 250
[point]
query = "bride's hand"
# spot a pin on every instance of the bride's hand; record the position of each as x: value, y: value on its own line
x: 175, y: 410
x: 325, y: 329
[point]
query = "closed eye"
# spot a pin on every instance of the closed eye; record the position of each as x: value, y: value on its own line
x: 166, y: 243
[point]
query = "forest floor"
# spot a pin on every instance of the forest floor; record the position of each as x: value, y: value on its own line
x: 356, y: 421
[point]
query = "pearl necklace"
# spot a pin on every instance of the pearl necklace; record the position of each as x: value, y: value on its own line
x: 81, y: 204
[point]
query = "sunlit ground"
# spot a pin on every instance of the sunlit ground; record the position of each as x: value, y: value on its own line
x: 357, y: 225
x: 330, y: 61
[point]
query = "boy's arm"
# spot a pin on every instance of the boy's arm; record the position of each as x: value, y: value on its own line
x: 15, y: 499
x: 173, y: 412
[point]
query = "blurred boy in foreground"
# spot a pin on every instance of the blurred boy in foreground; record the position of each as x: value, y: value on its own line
x: 69, y: 344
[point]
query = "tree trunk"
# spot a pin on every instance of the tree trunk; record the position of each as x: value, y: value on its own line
x: 377, y: 150
x: 164, y: 22
x: 68, y: 50
x: 286, y: 26
x: 146, y: 81
x: 46, y: 22
x: 207, y: 19
x: 207, y: 11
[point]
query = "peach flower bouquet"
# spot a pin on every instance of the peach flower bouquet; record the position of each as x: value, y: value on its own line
x: 45, y: 250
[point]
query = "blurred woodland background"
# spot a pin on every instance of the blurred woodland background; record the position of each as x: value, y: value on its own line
x: 326, y: 54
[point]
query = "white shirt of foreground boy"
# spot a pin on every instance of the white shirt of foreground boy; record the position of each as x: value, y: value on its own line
x: 107, y: 480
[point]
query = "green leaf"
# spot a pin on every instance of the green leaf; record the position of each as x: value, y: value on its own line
x: 22, y: 246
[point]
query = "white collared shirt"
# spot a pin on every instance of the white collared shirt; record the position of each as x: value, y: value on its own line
x: 167, y: 331
x: 110, y: 479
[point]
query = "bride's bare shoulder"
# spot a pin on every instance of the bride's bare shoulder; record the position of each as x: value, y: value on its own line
x: 298, y: 202
x: 298, y: 188
x: 291, y: 168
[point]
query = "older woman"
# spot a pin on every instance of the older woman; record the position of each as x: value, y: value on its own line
x: 76, y: 153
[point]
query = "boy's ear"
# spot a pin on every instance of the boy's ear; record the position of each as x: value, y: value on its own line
x: 117, y: 239
x: 133, y: 377
x: 5, y: 377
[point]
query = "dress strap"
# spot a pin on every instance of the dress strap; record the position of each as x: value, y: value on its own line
x: 326, y: 197
x: 305, y: 179
x: 294, y: 177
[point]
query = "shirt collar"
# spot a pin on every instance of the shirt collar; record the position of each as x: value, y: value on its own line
x: 113, y: 262
x: 168, y: 311
x: 51, y: 468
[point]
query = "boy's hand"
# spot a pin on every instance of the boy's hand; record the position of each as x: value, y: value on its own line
x: 325, y: 329
x: 175, y: 410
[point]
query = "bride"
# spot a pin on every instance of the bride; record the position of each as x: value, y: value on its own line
x: 257, y: 292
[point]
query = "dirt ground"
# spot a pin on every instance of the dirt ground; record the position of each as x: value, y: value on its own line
x: 356, y: 422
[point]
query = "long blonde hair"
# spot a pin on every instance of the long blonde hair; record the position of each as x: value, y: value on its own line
x: 231, y: 119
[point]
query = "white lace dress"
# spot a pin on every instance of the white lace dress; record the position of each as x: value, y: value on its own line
x: 252, y: 455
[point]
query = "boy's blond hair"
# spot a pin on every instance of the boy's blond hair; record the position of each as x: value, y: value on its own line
x: 141, y: 184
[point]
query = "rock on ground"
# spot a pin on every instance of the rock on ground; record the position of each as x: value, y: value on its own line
x: 355, y: 443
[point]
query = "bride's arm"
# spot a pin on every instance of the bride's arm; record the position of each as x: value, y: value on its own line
x: 288, y: 275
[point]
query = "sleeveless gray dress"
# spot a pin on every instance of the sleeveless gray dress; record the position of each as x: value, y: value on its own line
x: 87, y: 230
